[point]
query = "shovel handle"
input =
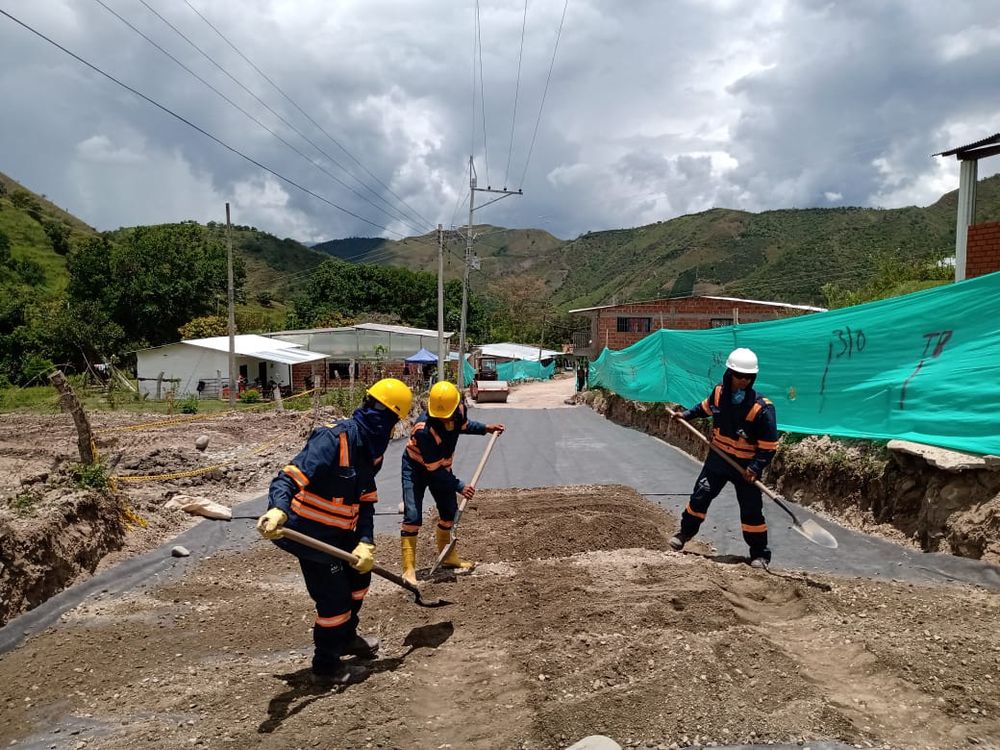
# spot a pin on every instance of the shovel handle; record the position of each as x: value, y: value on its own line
x: 458, y: 513
x: 757, y: 483
x: 475, y: 476
x: 347, y: 557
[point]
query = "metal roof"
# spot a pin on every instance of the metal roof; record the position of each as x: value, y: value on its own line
x: 403, y: 330
x: 995, y: 138
x: 517, y: 351
x: 698, y: 296
x: 259, y: 347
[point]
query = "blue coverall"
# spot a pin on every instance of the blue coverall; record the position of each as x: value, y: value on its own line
x: 427, y: 464
x: 328, y: 492
x: 747, y: 432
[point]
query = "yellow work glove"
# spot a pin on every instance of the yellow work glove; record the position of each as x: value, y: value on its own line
x: 269, y: 525
x: 365, y: 553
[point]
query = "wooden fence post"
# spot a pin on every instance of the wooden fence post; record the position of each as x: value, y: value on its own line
x: 69, y: 402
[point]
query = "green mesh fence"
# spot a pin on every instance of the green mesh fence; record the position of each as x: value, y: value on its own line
x: 517, y: 370
x: 520, y: 369
x: 923, y: 367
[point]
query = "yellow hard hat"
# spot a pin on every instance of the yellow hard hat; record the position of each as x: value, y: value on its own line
x: 443, y: 400
x: 394, y: 394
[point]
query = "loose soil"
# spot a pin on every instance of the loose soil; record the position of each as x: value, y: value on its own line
x: 578, y: 621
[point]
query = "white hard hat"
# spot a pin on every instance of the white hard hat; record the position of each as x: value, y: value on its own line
x: 742, y: 360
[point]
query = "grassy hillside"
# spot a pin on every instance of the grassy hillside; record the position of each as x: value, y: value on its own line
x: 39, y: 232
x: 785, y: 255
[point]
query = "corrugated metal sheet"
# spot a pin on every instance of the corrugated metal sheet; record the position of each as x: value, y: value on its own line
x: 517, y: 351
x: 995, y: 138
x: 259, y: 347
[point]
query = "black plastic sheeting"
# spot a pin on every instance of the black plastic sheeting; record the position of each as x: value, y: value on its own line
x: 549, y: 447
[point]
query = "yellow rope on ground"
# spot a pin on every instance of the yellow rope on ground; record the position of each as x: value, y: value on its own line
x: 196, y: 417
x: 192, y: 472
x: 132, y: 517
x: 172, y: 475
x: 161, y: 423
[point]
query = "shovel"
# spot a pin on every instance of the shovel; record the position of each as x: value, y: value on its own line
x: 350, y: 559
x: 809, y: 529
x: 215, y: 511
x: 458, y: 514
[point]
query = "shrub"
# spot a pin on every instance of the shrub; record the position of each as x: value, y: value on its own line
x: 189, y: 405
x: 22, y: 504
x: 90, y: 477
x: 250, y: 396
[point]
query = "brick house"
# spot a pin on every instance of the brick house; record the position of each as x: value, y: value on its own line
x: 619, y: 326
x: 977, y: 246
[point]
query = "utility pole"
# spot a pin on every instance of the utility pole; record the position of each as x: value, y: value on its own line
x: 442, y: 354
x: 232, y: 311
x: 470, y: 258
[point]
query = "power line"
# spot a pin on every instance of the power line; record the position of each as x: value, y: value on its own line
x: 482, y: 93
x: 196, y: 127
x: 545, y: 92
x: 399, y: 214
x: 244, y: 112
x: 305, y: 114
x: 517, y: 85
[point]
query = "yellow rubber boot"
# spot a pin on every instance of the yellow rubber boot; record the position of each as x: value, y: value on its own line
x: 408, y: 547
x: 443, y: 536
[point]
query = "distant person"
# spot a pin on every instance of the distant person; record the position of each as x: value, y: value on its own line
x: 580, y: 378
x: 745, y: 428
x: 427, y: 464
x: 328, y: 492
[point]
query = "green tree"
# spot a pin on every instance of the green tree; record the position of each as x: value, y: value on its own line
x: 204, y: 327
x: 152, y: 280
x: 58, y: 234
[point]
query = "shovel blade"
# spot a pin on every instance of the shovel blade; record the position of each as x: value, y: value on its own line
x: 816, y: 534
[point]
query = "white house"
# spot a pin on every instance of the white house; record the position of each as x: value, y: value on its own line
x: 183, y: 365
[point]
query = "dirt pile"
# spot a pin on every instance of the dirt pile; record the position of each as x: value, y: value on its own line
x: 577, y: 621
x: 861, y: 484
x: 64, y: 539
x: 43, y: 506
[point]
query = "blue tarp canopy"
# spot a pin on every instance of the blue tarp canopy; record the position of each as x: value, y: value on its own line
x: 423, y: 357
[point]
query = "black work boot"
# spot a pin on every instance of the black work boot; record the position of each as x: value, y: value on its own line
x: 677, y: 542
x: 362, y: 646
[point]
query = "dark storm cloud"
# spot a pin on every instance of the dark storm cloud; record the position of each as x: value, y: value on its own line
x: 653, y: 110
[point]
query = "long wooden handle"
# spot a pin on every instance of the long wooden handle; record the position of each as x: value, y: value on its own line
x: 758, y: 484
x: 458, y: 513
x: 479, y: 470
x: 347, y: 557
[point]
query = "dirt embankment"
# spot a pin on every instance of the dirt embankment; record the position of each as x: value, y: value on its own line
x: 861, y: 484
x: 54, y: 531
x: 577, y: 621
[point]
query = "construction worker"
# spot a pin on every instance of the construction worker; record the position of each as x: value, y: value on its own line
x: 328, y: 492
x: 427, y: 465
x: 745, y: 429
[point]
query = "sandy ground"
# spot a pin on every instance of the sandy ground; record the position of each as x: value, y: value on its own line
x: 559, y: 633
x: 547, y: 394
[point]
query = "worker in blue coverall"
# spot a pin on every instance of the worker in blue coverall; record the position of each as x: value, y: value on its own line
x: 745, y: 429
x: 427, y: 464
x: 328, y: 492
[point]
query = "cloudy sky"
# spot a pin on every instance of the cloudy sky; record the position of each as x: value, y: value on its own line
x: 654, y: 108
